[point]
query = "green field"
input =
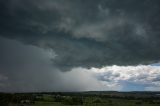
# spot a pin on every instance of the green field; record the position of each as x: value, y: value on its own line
x: 81, y: 99
x: 114, y: 103
x: 40, y: 103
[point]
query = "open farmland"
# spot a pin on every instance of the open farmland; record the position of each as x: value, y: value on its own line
x: 81, y: 99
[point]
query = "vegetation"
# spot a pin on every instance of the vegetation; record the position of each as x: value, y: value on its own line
x: 81, y: 99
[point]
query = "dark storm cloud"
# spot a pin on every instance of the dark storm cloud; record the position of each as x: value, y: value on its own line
x: 86, y: 33
x: 27, y: 68
x: 22, y: 67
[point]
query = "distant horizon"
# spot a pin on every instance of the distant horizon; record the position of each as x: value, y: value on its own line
x: 79, y: 91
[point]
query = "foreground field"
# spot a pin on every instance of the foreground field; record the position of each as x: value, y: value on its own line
x: 81, y: 99
x: 39, y: 104
x: 114, y: 103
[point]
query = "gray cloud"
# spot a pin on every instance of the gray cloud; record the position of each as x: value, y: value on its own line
x: 26, y: 70
x: 31, y: 69
x: 86, y: 34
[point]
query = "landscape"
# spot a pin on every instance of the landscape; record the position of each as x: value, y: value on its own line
x: 90, y: 98
x: 79, y: 52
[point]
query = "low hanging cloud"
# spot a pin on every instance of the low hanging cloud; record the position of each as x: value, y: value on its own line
x: 89, y: 34
x: 32, y: 70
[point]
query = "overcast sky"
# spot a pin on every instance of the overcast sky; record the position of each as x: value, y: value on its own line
x: 79, y: 45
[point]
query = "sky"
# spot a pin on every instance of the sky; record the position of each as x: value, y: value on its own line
x: 79, y: 45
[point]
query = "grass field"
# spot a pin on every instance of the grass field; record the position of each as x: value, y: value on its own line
x: 81, y: 99
x: 114, y: 103
x: 40, y: 103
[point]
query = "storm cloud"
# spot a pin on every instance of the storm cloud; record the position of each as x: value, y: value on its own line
x: 32, y: 70
x: 61, y: 35
x: 86, y: 33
